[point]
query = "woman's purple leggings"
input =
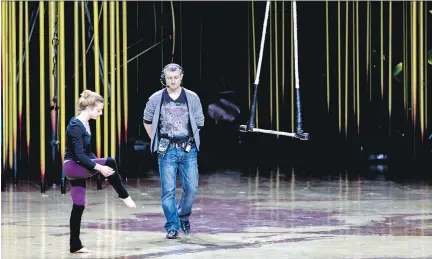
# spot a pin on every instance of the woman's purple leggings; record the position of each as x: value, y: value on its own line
x: 77, y: 174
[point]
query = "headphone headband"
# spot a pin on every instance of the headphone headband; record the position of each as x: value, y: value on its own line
x: 172, y: 65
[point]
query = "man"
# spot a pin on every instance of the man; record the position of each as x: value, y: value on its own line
x: 173, y: 117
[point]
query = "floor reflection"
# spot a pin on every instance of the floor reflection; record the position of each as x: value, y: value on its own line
x: 263, y: 212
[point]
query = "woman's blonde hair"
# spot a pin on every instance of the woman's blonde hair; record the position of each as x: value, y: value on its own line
x: 88, y: 98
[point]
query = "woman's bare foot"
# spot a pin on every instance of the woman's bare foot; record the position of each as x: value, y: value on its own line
x: 82, y: 251
x: 129, y: 202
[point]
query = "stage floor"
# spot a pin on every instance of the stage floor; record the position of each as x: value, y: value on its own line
x: 235, y: 216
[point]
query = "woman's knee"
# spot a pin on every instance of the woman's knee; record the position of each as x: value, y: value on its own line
x: 111, y: 162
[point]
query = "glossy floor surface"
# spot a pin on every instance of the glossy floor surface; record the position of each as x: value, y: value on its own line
x: 235, y: 216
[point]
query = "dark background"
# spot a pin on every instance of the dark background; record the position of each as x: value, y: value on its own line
x: 213, y: 44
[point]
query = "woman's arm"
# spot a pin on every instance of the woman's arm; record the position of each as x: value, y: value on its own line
x: 76, y: 133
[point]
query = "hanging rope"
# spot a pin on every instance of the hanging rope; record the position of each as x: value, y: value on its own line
x: 174, y: 32
x: 55, y: 107
x: 263, y: 35
x: 296, y: 70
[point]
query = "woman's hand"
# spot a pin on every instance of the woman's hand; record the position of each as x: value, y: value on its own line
x: 105, y: 170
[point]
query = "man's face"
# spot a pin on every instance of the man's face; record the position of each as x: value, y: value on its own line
x: 173, y: 79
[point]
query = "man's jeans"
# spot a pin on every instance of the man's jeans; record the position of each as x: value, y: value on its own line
x: 186, y: 164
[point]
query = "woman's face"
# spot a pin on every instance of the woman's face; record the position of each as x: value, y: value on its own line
x: 95, y: 111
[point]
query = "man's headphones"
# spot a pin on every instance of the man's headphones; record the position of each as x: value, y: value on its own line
x: 162, y: 78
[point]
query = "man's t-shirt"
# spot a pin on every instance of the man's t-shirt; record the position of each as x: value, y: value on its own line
x: 174, y: 118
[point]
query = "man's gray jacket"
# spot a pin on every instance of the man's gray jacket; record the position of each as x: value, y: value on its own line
x: 152, y: 113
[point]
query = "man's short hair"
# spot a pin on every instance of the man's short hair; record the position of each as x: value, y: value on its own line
x: 172, y: 67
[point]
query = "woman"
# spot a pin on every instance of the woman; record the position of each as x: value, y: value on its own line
x: 81, y: 163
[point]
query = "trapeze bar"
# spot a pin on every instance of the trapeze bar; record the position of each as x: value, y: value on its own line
x: 302, y: 136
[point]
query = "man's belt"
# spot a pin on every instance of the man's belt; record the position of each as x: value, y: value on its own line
x: 178, y: 144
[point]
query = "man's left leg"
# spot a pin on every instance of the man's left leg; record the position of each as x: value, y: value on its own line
x: 189, y: 176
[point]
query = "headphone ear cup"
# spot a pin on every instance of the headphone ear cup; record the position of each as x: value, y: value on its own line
x: 162, y: 79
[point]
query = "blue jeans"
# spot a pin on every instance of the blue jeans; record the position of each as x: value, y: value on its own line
x: 186, y: 163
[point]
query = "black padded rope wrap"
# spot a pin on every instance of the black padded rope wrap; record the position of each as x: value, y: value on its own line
x: 251, y: 122
x: 299, y: 124
x: 299, y: 127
